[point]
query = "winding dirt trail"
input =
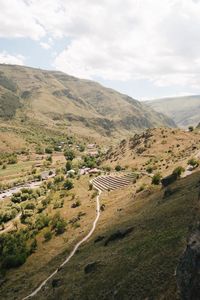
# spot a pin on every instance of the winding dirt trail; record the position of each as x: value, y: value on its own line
x: 74, y: 250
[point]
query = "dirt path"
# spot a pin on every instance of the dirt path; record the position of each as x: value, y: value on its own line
x: 74, y: 250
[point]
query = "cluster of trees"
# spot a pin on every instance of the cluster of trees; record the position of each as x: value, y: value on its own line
x: 7, y: 215
x: 27, y: 194
x: 15, y: 249
x: 89, y: 161
x: 8, y: 159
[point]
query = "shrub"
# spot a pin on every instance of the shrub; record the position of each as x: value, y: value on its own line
x: 68, y: 165
x: 193, y: 162
x: 30, y: 206
x: 58, y: 179
x: 12, y: 160
x: 58, y: 204
x: 47, y: 235
x: 178, y: 171
x: 49, y: 158
x: 76, y: 204
x: 81, y: 148
x: 156, y: 179
x: 39, y: 150
x: 69, y: 154
x: 68, y: 184
x: 118, y: 168
x: 48, y: 150
x: 42, y: 221
x: 149, y: 169
x: 58, y: 224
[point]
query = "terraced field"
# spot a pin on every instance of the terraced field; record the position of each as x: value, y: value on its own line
x: 112, y: 182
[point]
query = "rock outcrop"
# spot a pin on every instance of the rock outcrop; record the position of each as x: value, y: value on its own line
x: 188, y: 269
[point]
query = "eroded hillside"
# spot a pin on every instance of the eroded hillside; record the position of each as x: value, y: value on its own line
x: 34, y: 97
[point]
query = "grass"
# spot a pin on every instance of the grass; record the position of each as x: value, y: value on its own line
x: 142, y: 264
x: 16, y: 169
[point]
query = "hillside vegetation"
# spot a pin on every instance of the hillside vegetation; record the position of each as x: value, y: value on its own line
x: 183, y: 110
x: 58, y: 101
x: 140, y: 265
x: 155, y: 150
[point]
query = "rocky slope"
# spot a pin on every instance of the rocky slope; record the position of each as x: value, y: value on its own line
x: 183, y: 110
x: 54, y: 99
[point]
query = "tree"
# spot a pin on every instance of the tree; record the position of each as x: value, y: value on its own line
x: 178, y: 171
x: 68, y: 184
x: 69, y: 154
x: 58, y: 223
x: 156, y: 179
x: 68, y: 165
x: 118, y: 168
x: 48, y: 150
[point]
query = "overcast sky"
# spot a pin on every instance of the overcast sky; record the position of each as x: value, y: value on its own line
x: 144, y: 48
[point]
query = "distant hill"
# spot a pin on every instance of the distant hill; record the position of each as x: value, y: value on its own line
x: 184, y: 111
x: 54, y: 99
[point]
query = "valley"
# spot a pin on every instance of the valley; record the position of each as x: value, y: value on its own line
x: 98, y: 192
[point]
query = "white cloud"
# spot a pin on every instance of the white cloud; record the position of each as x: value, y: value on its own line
x: 6, y: 58
x: 17, y: 20
x: 45, y: 45
x: 122, y: 40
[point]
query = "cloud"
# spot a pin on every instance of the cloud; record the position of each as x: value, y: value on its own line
x: 152, y: 40
x: 45, y: 45
x: 17, y: 20
x: 123, y: 40
x: 6, y: 58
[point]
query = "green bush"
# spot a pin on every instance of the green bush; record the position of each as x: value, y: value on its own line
x: 58, y: 179
x: 47, y: 236
x: 178, y: 171
x: 13, y: 250
x: 68, y: 184
x: 42, y: 221
x: 58, y: 224
x: 69, y: 154
x: 156, y: 179
x: 48, y: 150
x: 118, y: 168
x: 149, y: 169
x: 68, y: 165
x: 193, y: 162
x: 89, y: 162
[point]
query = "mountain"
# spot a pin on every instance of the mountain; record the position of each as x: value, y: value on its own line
x: 183, y: 110
x: 53, y: 99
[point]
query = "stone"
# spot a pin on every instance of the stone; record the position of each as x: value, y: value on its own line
x: 188, y: 269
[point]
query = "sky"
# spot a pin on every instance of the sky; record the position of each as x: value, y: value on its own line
x: 147, y: 49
